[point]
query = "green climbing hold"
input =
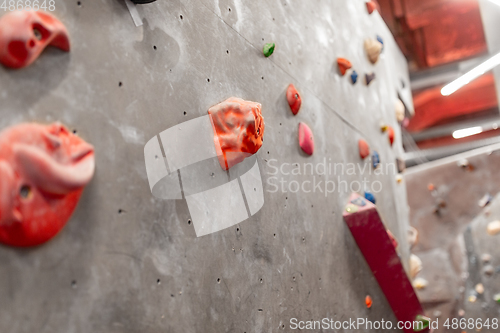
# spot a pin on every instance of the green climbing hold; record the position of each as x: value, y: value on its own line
x: 268, y: 49
x: 423, y: 323
x: 497, y: 298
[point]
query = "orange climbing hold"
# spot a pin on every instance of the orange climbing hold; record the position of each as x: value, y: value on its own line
x: 364, y: 149
x: 43, y: 170
x: 390, y: 133
x: 344, y: 65
x: 371, y: 6
x: 368, y: 301
x: 238, y: 130
x: 25, y: 34
x: 294, y: 99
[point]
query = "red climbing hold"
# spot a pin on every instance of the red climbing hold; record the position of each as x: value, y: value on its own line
x: 306, y: 140
x: 371, y: 6
x: 368, y: 301
x: 344, y: 65
x: 364, y: 149
x: 390, y: 132
x: 43, y: 169
x: 25, y: 34
x: 294, y: 99
x: 238, y: 130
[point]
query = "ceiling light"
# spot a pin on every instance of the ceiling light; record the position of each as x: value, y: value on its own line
x: 467, y: 132
x: 471, y: 75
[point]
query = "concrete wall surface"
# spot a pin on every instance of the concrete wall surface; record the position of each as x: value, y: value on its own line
x: 128, y: 262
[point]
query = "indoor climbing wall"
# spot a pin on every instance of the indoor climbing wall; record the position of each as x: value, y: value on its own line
x: 453, y: 204
x: 131, y: 258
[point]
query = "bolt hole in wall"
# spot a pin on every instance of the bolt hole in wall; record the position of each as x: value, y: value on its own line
x: 25, y: 191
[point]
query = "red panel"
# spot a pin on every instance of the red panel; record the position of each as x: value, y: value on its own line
x: 374, y: 242
x: 432, y: 108
x: 436, y: 32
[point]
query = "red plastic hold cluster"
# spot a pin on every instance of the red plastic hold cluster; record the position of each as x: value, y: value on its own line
x: 25, y: 34
x: 238, y: 130
x: 43, y: 169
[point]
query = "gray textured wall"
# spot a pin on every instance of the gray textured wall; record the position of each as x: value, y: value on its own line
x: 144, y: 270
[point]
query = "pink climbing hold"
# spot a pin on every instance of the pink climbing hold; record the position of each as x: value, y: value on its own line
x: 364, y: 149
x: 306, y: 140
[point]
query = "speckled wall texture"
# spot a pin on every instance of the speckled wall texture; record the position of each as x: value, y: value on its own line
x: 127, y: 262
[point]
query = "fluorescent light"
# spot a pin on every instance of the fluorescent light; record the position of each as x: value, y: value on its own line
x: 467, y: 132
x: 471, y: 75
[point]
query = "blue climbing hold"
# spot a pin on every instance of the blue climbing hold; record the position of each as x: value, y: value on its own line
x: 375, y: 159
x: 370, y: 197
x: 381, y: 41
x: 354, y: 77
x: 359, y: 202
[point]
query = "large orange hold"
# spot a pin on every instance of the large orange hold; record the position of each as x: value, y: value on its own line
x: 294, y: 99
x: 238, y: 130
x: 25, y: 34
x: 43, y: 169
x: 344, y: 65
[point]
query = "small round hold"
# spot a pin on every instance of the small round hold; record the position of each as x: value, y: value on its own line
x: 390, y: 133
x: 344, y: 65
x: 415, y: 265
x: 412, y: 236
x: 381, y: 41
x: 369, y: 78
x: 294, y: 99
x: 368, y: 301
x: 375, y: 159
x: 370, y: 197
x: 479, y: 288
x: 488, y: 270
x: 472, y: 298
x: 350, y: 208
x: 268, y: 49
x: 399, y: 108
x: 364, y: 149
x: 493, y: 228
x: 373, y: 49
x: 420, y: 283
x: 485, y: 257
x: 354, y: 77
x: 431, y: 187
x: 496, y: 298
x: 399, y: 179
x: 461, y: 313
